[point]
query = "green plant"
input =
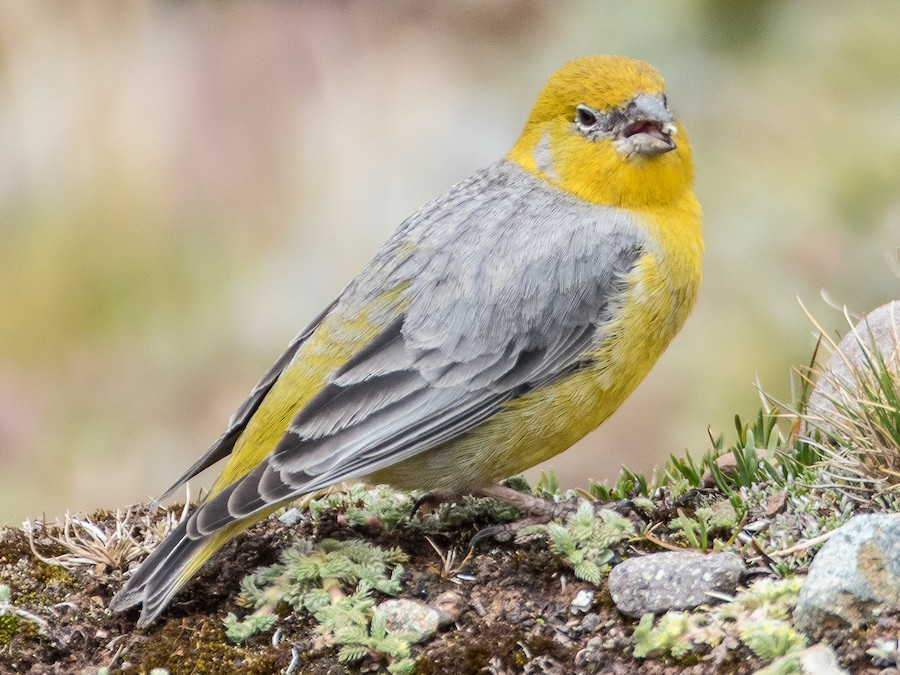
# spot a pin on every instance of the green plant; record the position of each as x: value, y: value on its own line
x: 585, y: 541
x: 698, y: 529
x: 364, y: 505
x: 756, y: 617
x: 628, y: 485
x: 334, y: 581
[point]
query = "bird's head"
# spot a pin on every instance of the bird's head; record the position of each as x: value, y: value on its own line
x: 602, y: 130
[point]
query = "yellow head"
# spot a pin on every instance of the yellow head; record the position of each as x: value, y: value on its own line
x: 601, y: 129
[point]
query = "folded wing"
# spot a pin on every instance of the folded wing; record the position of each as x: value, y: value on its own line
x: 507, y: 285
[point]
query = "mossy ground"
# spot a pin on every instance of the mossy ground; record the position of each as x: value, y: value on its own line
x: 517, y: 615
x: 517, y: 610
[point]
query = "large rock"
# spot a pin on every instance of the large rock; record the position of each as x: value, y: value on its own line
x: 854, y: 577
x: 676, y: 580
x: 876, y: 333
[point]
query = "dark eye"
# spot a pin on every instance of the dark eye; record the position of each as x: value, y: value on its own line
x: 585, y: 116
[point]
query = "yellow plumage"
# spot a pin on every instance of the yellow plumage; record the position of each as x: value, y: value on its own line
x: 500, y: 324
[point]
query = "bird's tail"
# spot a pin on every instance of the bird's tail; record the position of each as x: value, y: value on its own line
x: 168, y: 568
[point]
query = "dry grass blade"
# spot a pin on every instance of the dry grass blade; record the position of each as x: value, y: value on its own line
x: 449, y: 566
x: 131, y: 535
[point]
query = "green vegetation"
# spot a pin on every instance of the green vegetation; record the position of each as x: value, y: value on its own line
x: 757, y: 618
x: 585, y: 541
x: 334, y: 581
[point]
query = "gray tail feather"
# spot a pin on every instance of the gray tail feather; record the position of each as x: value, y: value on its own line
x: 156, y: 580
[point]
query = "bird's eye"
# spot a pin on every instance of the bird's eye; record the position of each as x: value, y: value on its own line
x: 585, y: 116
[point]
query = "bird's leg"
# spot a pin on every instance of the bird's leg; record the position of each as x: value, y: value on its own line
x: 541, y: 511
x: 539, y: 507
x: 536, y: 506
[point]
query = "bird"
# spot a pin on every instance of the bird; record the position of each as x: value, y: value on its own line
x: 497, y: 326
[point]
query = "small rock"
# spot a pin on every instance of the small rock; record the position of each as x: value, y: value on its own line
x: 518, y: 613
x: 544, y: 665
x: 590, y: 622
x: 776, y: 503
x: 450, y: 606
x: 877, y: 332
x: 582, y: 602
x: 292, y: 516
x: 854, y: 577
x: 409, y: 616
x: 726, y: 463
x: 820, y: 659
x: 660, y: 582
x: 592, y: 657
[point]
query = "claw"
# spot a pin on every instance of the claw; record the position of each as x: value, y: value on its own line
x: 506, y: 531
x: 432, y: 500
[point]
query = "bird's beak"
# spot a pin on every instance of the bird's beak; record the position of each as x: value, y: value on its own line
x: 648, y: 127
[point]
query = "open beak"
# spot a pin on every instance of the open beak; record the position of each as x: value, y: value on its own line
x: 648, y: 129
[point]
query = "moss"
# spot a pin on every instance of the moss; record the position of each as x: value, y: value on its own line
x: 35, y: 583
x: 44, y: 584
x: 201, y: 649
x: 9, y: 627
x: 542, y: 644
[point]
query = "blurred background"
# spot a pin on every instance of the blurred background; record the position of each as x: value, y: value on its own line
x: 184, y: 186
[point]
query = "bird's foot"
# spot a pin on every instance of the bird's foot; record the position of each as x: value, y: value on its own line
x: 539, y: 511
x: 530, y: 504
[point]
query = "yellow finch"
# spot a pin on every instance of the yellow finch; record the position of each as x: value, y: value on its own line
x: 498, y: 325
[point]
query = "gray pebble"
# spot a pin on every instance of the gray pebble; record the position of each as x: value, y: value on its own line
x: 820, y: 659
x: 660, y: 582
x: 590, y: 622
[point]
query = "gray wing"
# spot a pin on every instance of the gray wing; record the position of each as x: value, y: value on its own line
x: 507, y: 283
